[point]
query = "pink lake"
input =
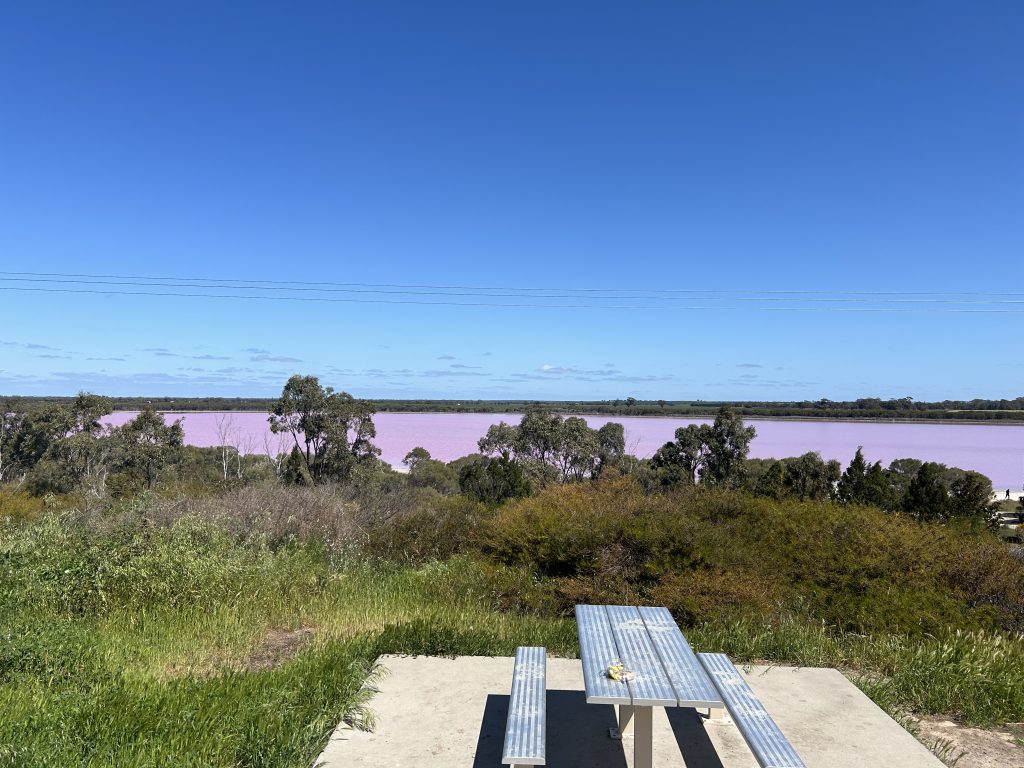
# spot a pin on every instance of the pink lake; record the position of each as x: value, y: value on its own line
x: 995, y: 451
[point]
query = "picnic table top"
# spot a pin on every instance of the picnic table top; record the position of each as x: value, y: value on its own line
x: 648, y: 642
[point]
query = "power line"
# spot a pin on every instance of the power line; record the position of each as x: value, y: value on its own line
x: 720, y: 307
x: 842, y: 299
x: 850, y: 298
x: 241, y: 283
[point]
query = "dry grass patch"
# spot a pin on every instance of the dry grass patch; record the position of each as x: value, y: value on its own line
x: 277, y: 647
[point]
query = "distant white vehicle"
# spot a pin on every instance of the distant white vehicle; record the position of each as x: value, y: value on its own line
x: 1010, y: 526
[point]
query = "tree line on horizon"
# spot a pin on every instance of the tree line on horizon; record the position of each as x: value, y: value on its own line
x: 62, y: 448
x: 869, y: 408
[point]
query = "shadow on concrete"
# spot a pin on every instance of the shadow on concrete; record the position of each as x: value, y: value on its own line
x: 577, y: 734
x: 692, y: 738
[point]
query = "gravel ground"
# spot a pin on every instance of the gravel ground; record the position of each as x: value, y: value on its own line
x: 965, y: 747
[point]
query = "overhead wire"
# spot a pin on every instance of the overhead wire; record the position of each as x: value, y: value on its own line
x: 163, y: 283
x: 324, y: 285
x: 328, y: 299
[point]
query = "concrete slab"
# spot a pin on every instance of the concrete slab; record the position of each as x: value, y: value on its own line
x: 434, y: 712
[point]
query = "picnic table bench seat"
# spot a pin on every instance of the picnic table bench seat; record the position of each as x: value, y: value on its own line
x: 766, y: 741
x: 524, y: 729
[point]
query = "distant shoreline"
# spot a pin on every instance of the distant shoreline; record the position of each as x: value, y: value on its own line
x: 709, y: 417
x: 869, y: 410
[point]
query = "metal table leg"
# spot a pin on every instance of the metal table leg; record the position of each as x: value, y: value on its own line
x: 643, y: 738
x: 625, y: 720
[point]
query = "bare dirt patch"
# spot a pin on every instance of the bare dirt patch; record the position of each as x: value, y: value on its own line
x: 276, y: 647
x: 967, y: 747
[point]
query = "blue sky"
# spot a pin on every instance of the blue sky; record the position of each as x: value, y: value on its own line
x: 630, y: 148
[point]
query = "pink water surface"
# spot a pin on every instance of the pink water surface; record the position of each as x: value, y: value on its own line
x: 995, y: 451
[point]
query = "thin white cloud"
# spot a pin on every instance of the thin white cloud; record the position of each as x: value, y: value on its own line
x: 572, y: 371
x: 29, y: 345
x: 273, y: 359
x: 436, y: 374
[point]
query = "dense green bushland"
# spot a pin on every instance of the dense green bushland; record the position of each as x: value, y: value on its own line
x: 63, y: 449
x: 168, y: 605
x: 710, y: 553
x: 159, y: 633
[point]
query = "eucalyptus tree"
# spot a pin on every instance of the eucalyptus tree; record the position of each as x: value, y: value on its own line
x: 811, y: 478
x: 143, y: 447
x: 540, y: 436
x: 772, y: 482
x: 901, y: 473
x: 970, y: 497
x: 78, y: 462
x: 332, y: 431
x: 552, y: 448
x: 709, y: 453
x: 493, y: 480
x: 611, y: 439
x: 578, y: 449
x: 431, y: 473
x: 29, y: 437
x: 500, y: 440
x: 687, y: 456
x: 10, y: 425
x: 730, y: 444
x: 415, y: 456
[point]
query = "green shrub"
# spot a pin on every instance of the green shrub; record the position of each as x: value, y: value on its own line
x: 986, y: 575
x: 444, y: 528
x: 710, y: 554
x: 570, y: 530
x: 705, y: 594
x: 19, y: 506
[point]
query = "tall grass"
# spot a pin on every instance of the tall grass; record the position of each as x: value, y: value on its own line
x: 132, y: 647
x: 977, y: 677
x: 134, y: 641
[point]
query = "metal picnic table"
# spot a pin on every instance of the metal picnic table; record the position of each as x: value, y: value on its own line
x: 666, y: 671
